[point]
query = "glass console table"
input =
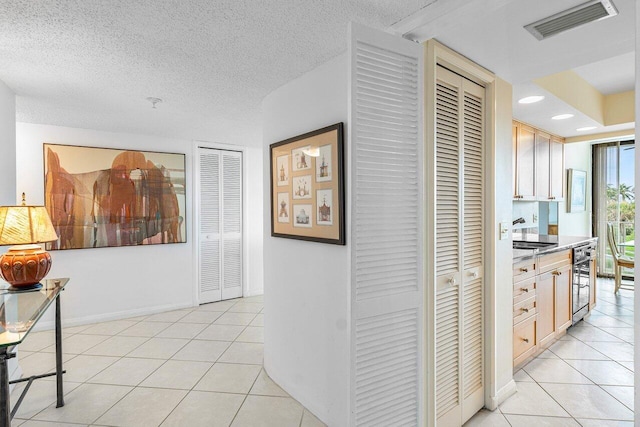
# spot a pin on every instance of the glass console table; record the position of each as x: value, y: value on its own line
x: 20, y: 310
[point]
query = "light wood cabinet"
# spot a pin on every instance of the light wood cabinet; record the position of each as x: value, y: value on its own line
x: 556, y: 169
x: 562, y: 286
x: 524, y: 167
x: 545, y: 296
x: 542, y: 310
x: 543, y: 165
x: 538, y: 164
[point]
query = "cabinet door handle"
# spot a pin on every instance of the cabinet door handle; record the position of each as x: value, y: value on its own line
x: 526, y: 310
x: 557, y: 273
x: 524, y: 289
x: 524, y: 269
x: 525, y: 339
x: 451, y: 281
x: 475, y: 274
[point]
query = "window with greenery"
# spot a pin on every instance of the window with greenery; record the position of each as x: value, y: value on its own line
x: 614, y: 201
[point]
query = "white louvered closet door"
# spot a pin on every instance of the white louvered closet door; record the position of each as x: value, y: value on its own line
x: 219, y: 224
x: 459, y: 248
x: 385, y: 149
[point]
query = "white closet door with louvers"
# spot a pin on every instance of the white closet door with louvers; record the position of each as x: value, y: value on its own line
x: 385, y: 149
x: 459, y: 355
x: 220, y: 224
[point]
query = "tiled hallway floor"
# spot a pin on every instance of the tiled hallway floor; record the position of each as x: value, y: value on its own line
x: 585, y: 379
x: 203, y: 367
x: 193, y: 367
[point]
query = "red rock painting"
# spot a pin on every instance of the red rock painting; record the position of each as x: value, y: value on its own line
x: 134, y: 201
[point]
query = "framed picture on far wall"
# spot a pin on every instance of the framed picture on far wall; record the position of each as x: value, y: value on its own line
x: 104, y: 197
x: 307, y: 186
x: 577, y: 194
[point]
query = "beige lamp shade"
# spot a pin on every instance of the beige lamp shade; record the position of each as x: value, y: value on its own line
x: 21, y: 225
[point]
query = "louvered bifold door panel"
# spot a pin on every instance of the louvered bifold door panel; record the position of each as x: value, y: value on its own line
x: 385, y: 149
x: 232, y: 224
x: 473, y: 249
x: 209, y: 225
x: 448, y: 245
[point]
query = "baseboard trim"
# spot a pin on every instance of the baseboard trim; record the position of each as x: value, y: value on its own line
x: 118, y: 315
x: 503, y: 394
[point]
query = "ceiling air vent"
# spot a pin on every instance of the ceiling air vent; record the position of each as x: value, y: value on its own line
x: 571, y: 18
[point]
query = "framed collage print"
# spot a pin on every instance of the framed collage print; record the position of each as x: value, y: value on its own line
x: 307, y: 186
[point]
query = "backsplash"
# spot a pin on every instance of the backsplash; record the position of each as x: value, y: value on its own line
x: 528, y: 211
x: 538, y: 217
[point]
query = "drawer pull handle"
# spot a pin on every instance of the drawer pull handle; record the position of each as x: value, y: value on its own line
x: 557, y: 273
x: 526, y: 310
x: 524, y: 269
x: 525, y: 339
x: 524, y: 289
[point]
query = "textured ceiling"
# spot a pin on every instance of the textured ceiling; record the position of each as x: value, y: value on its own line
x: 92, y: 63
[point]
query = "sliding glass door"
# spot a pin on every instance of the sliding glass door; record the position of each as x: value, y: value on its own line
x: 614, y: 201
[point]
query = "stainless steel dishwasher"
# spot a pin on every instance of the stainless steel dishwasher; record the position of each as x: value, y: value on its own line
x: 582, y: 256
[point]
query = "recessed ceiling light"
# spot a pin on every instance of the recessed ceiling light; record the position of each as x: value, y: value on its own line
x: 586, y: 128
x: 531, y: 99
x: 562, y: 117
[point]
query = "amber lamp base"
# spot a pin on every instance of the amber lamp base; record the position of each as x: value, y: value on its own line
x: 25, y: 265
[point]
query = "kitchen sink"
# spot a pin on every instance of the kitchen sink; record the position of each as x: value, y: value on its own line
x: 523, y: 244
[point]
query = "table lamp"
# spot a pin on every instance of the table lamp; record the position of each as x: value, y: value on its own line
x: 25, y: 264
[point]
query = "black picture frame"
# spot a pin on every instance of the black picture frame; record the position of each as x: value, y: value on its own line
x: 323, y: 223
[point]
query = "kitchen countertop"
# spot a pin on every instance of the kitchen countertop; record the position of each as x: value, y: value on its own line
x: 561, y: 243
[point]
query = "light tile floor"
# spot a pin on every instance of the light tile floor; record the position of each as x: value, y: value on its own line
x: 584, y: 379
x: 194, y: 367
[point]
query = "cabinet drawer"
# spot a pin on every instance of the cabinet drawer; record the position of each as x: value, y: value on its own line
x: 524, y: 309
x: 553, y: 261
x: 524, y: 337
x: 524, y: 290
x: 524, y: 269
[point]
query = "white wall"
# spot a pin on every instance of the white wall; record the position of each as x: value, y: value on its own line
x: 8, y: 170
x: 254, y: 221
x: 577, y: 155
x: 7, y: 145
x: 499, y: 315
x: 307, y: 283
x: 110, y: 283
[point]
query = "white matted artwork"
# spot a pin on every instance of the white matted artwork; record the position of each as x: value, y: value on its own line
x: 323, y: 164
x: 302, y: 187
x: 324, y: 202
x: 300, y: 160
x: 302, y: 216
x: 283, y: 208
x: 282, y: 165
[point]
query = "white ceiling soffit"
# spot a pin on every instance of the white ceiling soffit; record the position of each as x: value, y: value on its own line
x: 491, y: 33
x: 611, y: 75
x: 93, y: 63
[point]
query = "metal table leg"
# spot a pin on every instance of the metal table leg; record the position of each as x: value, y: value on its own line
x: 5, y: 401
x: 59, y: 390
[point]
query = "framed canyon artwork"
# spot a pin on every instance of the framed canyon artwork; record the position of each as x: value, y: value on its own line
x: 103, y: 197
x: 307, y: 186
